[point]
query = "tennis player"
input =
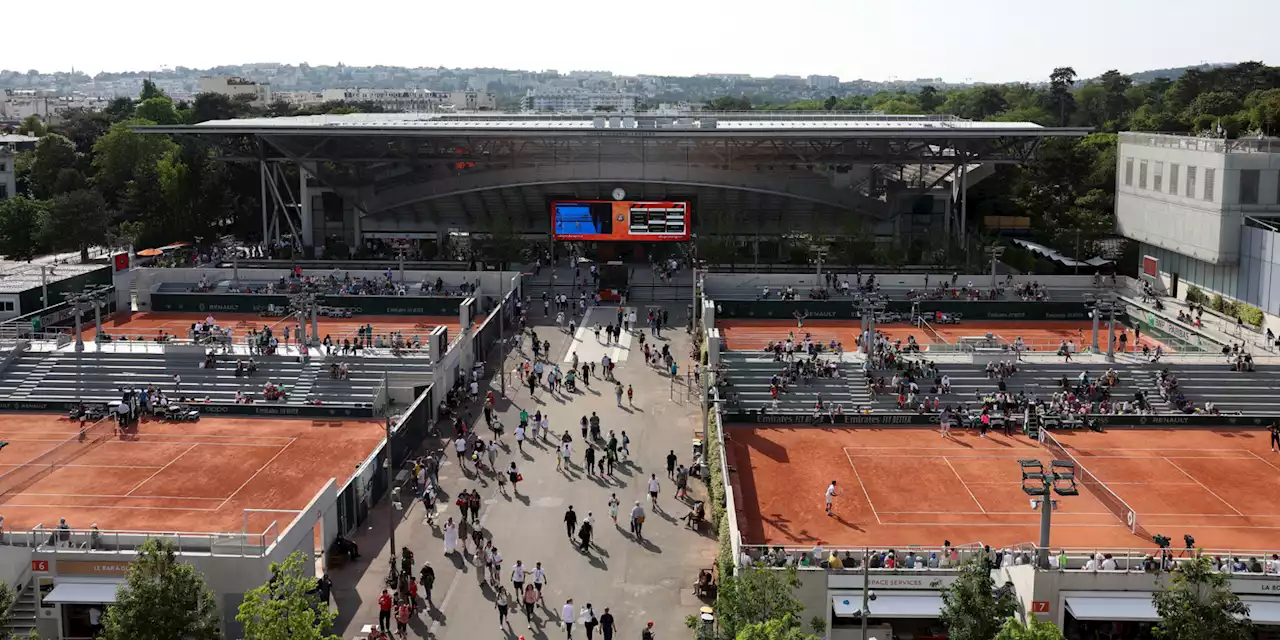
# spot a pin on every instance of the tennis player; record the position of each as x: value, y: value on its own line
x: 831, y: 494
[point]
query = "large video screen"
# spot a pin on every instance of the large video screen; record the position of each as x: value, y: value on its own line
x: 620, y: 220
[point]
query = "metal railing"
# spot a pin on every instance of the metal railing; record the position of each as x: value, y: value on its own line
x: 1196, y: 143
x: 905, y: 557
x: 1141, y: 560
x: 42, y: 538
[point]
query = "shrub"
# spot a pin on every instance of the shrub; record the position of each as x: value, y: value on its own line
x: 1250, y: 314
x: 1217, y: 303
x: 1195, y: 295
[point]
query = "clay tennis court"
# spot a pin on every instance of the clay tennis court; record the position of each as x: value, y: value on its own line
x: 901, y: 487
x: 148, y: 325
x: 754, y: 334
x: 191, y: 477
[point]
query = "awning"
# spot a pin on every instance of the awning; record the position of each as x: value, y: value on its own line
x: 1113, y: 609
x: 1263, y: 610
x: 925, y: 605
x: 82, y: 593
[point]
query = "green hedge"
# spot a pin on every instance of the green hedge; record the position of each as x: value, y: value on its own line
x: 1248, y: 313
x: 716, y: 490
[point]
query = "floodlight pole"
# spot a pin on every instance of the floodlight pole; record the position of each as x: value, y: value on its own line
x: 391, y: 498
x: 866, y: 591
x: 1046, y: 522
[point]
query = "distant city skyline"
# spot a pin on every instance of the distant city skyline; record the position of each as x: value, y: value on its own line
x: 982, y: 41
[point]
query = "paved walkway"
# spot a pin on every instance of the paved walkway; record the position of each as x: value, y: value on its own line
x: 639, y: 581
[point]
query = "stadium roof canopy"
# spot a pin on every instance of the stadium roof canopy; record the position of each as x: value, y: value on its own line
x: 458, y: 170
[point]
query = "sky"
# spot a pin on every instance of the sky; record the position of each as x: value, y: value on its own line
x: 973, y: 41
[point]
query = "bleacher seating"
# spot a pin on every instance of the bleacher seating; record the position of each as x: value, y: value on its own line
x: 365, y: 375
x: 1256, y: 392
x: 749, y: 373
x: 99, y: 376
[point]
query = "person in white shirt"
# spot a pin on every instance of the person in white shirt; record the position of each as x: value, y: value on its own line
x: 1108, y: 563
x: 653, y: 490
x: 539, y: 579
x: 831, y: 494
x: 1091, y: 565
x: 567, y: 616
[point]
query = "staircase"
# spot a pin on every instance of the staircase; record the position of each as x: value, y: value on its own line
x: 302, y: 388
x: 858, y: 393
x: 33, y: 380
x: 22, y: 617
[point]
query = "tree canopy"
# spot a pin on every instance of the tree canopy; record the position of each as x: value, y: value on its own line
x: 972, y: 607
x: 286, y: 607
x: 1198, y: 603
x: 162, y: 599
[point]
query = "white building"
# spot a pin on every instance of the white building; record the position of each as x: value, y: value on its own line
x: 1207, y: 210
x: 299, y: 98
x: 234, y: 86
x: 8, y: 176
x: 416, y: 100
x: 571, y: 100
x: 823, y: 82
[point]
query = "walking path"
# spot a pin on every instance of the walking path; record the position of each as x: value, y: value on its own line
x: 638, y: 580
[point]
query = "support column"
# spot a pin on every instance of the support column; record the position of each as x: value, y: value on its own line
x: 304, y: 209
x: 266, y: 224
x: 964, y: 208
x: 1097, y: 318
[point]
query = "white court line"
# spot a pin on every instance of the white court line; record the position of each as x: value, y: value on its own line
x: 964, y: 484
x: 207, y: 444
x: 101, y: 495
x: 107, y: 506
x: 255, y: 473
x: 1159, y: 449
x: 996, y: 513
x: 209, y: 435
x: 107, y: 466
x: 157, y: 472
x: 1264, y: 460
x: 1193, y: 478
x: 864, y: 488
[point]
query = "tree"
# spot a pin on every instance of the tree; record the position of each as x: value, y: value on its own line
x: 972, y: 608
x: 1198, y: 603
x: 928, y: 99
x: 157, y: 110
x: 755, y: 596
x: 150, y: 91
x: 212, y: 106
x: 784, y: 628
x: 1035, y: 630
x: 830, y: 103
x: 21, y: 219
x: 286, y: 607
x: 53, y: 154
x: 1063, y: 103
x: 32, y: 126
x: 162, y: 599
x: 122, y: 155
x: 1214, y: 103
x: 76, y: 221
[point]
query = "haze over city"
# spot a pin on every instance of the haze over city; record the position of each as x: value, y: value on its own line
x: 986, y: 41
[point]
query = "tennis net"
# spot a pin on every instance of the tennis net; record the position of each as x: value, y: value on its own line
x: 1102, y: 492
x: 22, y: 477
x: 930, y: 331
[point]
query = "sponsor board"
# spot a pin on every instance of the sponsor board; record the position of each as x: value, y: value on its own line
x: 912, y: 419
x: 309, y: 411
x: 845, y: 309
x: 254, y: 303
x: 857, y: 418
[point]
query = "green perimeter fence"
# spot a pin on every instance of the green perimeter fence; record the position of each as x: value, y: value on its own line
x: 847, y: 309
x: 255, y: 303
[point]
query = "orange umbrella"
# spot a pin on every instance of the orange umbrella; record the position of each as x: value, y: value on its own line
x: 150, y: 252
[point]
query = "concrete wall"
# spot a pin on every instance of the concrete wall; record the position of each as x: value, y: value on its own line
x: 1172, y: 217
x: 1255, y: 280
x: 723, y: 281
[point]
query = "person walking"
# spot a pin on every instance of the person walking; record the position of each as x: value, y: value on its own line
x: 403, y: 612
x: 631, y: 394
x: 520, y: 438
x: 613, y: 507
x: 513, y: 475
x: 529, y: 599
x: 567, y: 616
x: 1275, y: 435
x: 637, y: 520
x: 654, y: 488
x: 617, y: 392
x: 625, y: 449
x: 671, y: 464
x: 831, y: 494
x: 427, y: 579
x: 502, y: 602
x: 647, y: 632
x: 607, y: 626
x: 384, y: 611
x: 450, y: 537
x: 570, y: 521
x: 589, y: 620
x: 539, y: 578
x: 584, y: 535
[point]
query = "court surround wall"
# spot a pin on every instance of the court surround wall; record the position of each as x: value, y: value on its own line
x: 918, y: 420
x: 848, y: 310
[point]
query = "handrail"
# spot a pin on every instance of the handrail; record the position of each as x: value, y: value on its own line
x: 41, y: 538
x: 1138, y: 560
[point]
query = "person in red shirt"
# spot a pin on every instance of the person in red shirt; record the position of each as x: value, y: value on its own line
x: 384, y: 611
x: 402, y: 619
x: 413, y: 595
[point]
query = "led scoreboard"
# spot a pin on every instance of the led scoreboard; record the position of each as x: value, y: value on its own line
x: 620, y: 220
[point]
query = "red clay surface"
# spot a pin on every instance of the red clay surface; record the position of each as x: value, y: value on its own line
x: 902, y: 487
x: 148, y: 325
x: 192, y: 477
x: 753, y: 334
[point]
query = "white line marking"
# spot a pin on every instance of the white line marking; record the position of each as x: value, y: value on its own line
x: 98, y: 466
x: 996, y: 513
x: 106, y: 506
x: 864, y: 488
x: 107, y: 495
x: 1264, y: 461
x: 1193, y: 478
x: 964, y: 484
x: 1165, y: 449
x: 255, y: 473
x: 157, y: 472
